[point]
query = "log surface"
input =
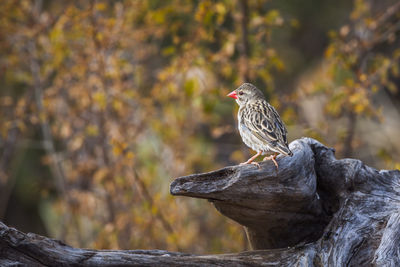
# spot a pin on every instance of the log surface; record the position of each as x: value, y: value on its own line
x: 315, y: 211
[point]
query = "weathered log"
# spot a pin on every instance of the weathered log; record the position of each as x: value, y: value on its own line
x: 278, y: 208
x: 330, y: 212
x: 347, y: 212
x: 17, y: 248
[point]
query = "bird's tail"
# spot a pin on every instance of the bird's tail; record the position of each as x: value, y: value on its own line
x: 283, y: 149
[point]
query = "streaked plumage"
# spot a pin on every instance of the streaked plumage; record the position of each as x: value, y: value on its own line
x: 259, y: 124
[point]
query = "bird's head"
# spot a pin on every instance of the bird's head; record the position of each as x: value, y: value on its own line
x: 245, y: 93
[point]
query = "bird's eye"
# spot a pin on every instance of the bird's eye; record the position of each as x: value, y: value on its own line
x: 240, y: 93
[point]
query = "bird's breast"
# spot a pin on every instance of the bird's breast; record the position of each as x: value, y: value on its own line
x: 250, y: 140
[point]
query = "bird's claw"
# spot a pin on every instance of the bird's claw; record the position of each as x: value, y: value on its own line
x: 256, y: 163
x: 273, y: 160
x: 253, y: 163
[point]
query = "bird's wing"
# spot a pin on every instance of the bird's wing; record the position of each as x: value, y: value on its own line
x: 265, y: 124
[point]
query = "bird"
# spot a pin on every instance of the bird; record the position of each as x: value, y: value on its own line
x: 260, y: 125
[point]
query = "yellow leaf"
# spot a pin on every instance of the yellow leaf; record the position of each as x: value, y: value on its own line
x: 100, y: 36
x: 100, y: 174
x: 129, y: 155
x: 76, y: 143
x: 118, y: 147
x: 329, y: 51
x: 42, y: 116
x: 154, y: 210
x: 101, y: 6
x: 294, y: 23
x: 117, y: 105
x: 349, y: 82
x: 92, y: 130
x: 116, y: 150
x: 359, y: 108
x: 220, y: 8
x: 100, y: 99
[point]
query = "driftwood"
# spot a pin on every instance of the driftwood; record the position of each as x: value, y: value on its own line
x: 314, y: 211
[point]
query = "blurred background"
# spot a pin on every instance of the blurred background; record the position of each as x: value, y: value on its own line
x: 103, y: 103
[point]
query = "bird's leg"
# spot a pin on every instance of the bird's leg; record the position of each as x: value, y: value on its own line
x: 272, y: 157
x: 250, y: 160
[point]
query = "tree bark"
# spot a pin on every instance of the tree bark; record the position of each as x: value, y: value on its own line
x: 314, y: 211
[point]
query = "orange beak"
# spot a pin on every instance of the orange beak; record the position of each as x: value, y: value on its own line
x: 232, y: 94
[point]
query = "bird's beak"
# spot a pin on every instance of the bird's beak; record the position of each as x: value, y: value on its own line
x: 232, y: 94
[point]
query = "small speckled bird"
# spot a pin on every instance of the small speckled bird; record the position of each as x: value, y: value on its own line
x: 259, y: 124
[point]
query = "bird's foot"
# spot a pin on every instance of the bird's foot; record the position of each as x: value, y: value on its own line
x: 251, y: 162
x: 272, y: 157
x: 256, y: 163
